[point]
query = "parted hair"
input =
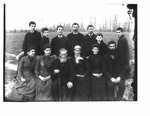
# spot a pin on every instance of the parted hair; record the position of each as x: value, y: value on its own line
x: 32, y: 22
x: 120, y: 29
x: 44, y: 29
x: 59, y: 26
x: 75, y: 24
x: 99, y: 34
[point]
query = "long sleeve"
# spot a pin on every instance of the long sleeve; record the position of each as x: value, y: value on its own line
x: 52, y: 46
x: 24, y: 45
x: 20, y: 68
x: 71, y: 72
x: 87, y: 66
x: 104, y: 68
x: 37, y: 67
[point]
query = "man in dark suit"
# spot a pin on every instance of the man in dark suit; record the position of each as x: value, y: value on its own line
x: 88, y: 40
x: 113, y: 70
x: 45, y: 39
x: 62, y: 88
x: 103, y: 49
x: 32, y: 38
x: 60, y: 41
x: 74, y: 38
x: 123, y: 46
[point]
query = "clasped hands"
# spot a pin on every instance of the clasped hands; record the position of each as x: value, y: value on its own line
x: 44, y: 78
x: 117, y: 80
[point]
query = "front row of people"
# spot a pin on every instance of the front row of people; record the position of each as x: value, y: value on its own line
x: 51, y: 78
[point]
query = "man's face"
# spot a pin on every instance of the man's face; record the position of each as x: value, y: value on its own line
x: 99, y: 38
x: 112, y: 46
x: 46, y: 34
x: 60, y: 30
x: 119, y: 33
x: 63, y: 54
x: 90, y: 30
x: 47, y: 51
x: 32, y: 27
x: 31, y: 52
x: 75, y: 28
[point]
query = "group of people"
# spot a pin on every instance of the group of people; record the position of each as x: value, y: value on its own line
x: 73, y: 68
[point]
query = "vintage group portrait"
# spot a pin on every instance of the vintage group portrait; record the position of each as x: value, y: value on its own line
x: 73, y: 54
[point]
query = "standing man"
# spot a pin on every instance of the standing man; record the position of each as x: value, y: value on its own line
x: 58, y: 42
x: 113, y: 70
x: 45, y: 39
x: 88, y: 40
x: 74, y: 38
x: 103, y: 49
x: 123, y: 46
x: 63, y: 77
x: 32, y: 38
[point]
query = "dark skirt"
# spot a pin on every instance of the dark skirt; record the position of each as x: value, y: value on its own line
x: 23, y: 91
x: 81, y: 89
x: 98, y: 91
x: 43, y: 90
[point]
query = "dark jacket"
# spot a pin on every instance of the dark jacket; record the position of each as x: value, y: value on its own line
x: 74, y: 39
x: 123, y: 49
x: 103, y: 49
x: 32, y: 39
x: 81, y: 68
x: 113, y: 67
x: 95, y: 62
x: 58, y: 43
x: 43, y: 42
x: 66, y: 71
x: 87, y: 43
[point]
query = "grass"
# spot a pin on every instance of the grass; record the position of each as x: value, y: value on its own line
x: 14, y: 41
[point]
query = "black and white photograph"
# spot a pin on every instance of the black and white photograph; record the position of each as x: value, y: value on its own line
x: 87, y: 56
x: 68, y: 52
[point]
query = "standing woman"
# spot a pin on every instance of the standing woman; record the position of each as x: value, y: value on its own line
x: 43, y: 71
x: 97, y: 82
x: 81, y: 70
x: 24, y: 89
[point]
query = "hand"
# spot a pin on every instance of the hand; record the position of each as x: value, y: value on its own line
x: 56, y: 71
x: 17, y: 57
x: 22, y: 79
x: 98, y: 75
x: 118, y: 79
x: 113, y: 80
x: 46, y: 78
x: 78, y: 58
x: 69, y: 84
x: 42, y: 78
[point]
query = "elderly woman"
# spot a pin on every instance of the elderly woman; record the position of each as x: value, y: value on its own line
x: 81, y: 80
x: 44, y: 73
x: 98, y: 82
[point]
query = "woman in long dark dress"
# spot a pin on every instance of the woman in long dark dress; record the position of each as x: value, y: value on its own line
x: 24, y: 89
x: 81, y: 71
x: 44, y: 72
x: 97, y: 82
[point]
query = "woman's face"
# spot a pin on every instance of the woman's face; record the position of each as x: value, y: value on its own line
x: 77, y: 51
x: 95, y: 50
x: 47, y: 51
x: 31, y: 52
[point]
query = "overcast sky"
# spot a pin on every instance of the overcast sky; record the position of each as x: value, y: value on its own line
x: 47, y: 13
